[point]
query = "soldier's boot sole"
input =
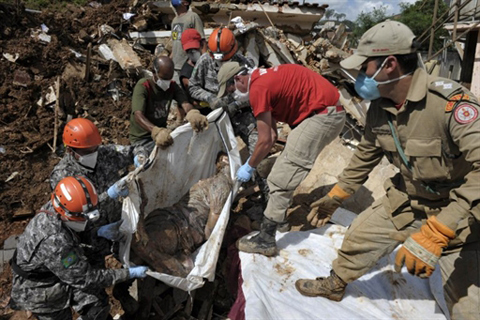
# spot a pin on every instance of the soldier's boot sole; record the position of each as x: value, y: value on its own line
x: 320, y: 287
x: 256, y: 244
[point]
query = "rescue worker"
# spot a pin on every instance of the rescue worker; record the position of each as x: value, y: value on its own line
x: 203, y: 87
x: 185, y: 19
x: 151, y: 103
x: 104, y: 165
x: 428, y: 127
x: 203, y: 84
x: 50, y: 271
x: 308, y: 103
x: 194, y: 46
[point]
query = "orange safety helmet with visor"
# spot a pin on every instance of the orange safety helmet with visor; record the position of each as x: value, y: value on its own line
x: 222, y: 44
x: 76, y: 200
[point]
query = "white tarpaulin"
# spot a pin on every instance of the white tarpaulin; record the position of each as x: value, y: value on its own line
x: 169, y: 175
x: 269, y: 283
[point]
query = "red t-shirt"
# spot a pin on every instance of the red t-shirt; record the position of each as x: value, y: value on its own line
x: 291, y: 92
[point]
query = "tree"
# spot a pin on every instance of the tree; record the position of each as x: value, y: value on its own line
x: 366, y: 20
x: 418, y: 16
x: 329, y: 13
x: 340, y: 16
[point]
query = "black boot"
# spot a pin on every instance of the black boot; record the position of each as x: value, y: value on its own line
x: 263, y: 242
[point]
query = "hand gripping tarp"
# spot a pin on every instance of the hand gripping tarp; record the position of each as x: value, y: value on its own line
x: 168, y: 175
x: 269, y: 284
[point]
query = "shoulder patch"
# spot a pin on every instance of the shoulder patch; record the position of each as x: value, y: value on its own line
x: 444, y: 87
x: 69, y: 259
x: 465, y: 113
x: 453, y: 100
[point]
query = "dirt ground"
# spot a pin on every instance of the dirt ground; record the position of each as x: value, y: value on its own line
x: 27, y: 128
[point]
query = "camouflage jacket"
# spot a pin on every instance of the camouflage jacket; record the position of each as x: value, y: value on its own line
x: 203, y: 84
x: 51, y: 251
x: 112, y: 163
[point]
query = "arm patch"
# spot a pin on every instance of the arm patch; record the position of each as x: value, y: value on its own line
x: 69, y: 259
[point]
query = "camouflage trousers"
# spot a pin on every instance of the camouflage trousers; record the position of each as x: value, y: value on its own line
x: 90, y: 306
x: 368, y: 239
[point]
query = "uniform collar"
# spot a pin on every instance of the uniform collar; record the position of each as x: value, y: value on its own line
x: 418, y: 86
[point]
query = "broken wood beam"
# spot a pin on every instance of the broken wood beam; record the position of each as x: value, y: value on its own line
x: 88, y: 62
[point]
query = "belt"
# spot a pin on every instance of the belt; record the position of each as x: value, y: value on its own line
x: 338, y: 108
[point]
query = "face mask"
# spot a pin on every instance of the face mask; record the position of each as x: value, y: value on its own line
x: 77, y: 226
x: 176, y: 3
x: 194, y: 55
x: 367, y: 88
x: 241, y: 96
x: 163, y: 84
x: 89, y: 160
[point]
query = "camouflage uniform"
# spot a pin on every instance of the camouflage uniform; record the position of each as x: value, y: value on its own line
x: 203, y: 86
x: 51, y: 273
x: 112, y: 163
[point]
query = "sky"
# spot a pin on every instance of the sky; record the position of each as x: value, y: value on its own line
x: 352, y: 8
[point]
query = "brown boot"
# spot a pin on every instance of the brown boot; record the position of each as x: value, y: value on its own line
x: 331, y: 287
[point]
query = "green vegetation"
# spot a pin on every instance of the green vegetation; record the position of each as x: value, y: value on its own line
x: 418, y: 16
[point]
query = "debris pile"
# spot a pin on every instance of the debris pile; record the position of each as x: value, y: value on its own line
x: 85, y: 61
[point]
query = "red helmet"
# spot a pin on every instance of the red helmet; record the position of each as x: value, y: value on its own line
x: 75, y: 198
x: 81, y: 133
x: 222, y: 44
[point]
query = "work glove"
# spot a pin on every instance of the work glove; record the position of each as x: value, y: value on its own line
x: 245, y: 172
x: 231, y: 108
x: 421, y: 251
x: 323, y: 209
x: 162, y: 137
x: 137, y: 272
x: 111, y: 231
x: 118, y: 189
x: 217, y: 103
x: 197, y: 120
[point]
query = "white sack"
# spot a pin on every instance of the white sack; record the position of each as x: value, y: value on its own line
x: 169, y: 175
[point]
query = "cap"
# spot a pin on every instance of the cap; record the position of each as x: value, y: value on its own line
x: 191, y: 39
x: 384, y: 39
x: 226, y: 72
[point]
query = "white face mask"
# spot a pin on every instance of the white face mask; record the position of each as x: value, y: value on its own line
x: 241, y: 96
x: 194, y: 55
x: 163, y: 84
x: 77, y: 226
x: 89, y: 160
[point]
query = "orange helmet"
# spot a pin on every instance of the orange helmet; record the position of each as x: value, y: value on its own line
x: 222, y: 44
x: 75, y: 198
x: 81, y: 133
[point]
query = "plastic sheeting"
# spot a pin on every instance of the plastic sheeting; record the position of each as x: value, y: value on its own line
x: 168, y: 175
x: 269, y: 284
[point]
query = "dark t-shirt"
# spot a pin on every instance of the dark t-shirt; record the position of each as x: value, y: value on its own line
x: 154, y: 104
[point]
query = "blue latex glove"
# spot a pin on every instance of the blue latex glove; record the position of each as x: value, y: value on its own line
x: 111, y: 231
x: 136, y: 162
x: 118, y: 189
x: 137, y: 272
x: 245, y: 172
